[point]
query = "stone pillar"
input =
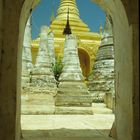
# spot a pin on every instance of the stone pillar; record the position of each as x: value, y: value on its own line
x: 72, y: 90
x: 51, y: 46
x: 101, y: 82
x: 26, y: 56
x: 42, y: 75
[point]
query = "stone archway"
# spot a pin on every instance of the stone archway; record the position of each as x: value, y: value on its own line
x: 123, y: 82
x: 125, y: 38
x: 124, y: 85
x: 84, y: 62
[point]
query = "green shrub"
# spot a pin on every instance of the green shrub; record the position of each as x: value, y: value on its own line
x: 57, y: 68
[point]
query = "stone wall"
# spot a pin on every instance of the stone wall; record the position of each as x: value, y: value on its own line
x: 1, y: 16
x: 9, y: 101
x: 10, y: 66
x: 136, y: 97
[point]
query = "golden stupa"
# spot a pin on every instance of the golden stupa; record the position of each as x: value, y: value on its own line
x: 88, y: 42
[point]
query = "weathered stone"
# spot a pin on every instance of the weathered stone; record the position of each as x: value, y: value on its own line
x: 74, y: 110
x: 13, y: 15
x: 101, y: 81
x: 72, y: 90
x: 26, y: 56
x: 51, y: 46
x: 37, y: 104
x: 38, y: 98
x: 42, y: 75
x: 27, y: 44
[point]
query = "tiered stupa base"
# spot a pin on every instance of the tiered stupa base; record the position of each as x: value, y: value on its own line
x: 73, y: 94
x: 73, y: 98
x: 38, y: 101
x: 41, y: 101
x: 37, y: 104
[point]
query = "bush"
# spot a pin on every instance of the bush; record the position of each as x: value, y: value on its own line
x: 57, y: 68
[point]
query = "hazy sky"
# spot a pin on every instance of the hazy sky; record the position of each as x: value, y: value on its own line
x: 90, y: 13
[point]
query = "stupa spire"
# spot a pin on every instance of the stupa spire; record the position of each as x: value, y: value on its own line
x: 101, y: 29
x: 63, y: 8
x: 67, y: 29
x: 53, y: 13
x: 76, y: 24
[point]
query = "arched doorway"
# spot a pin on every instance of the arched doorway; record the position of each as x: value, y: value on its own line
x: 124, y: 39
x: 122, y: 69
x: 84, y: 62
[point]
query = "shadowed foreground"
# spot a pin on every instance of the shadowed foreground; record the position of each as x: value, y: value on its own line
x: 67, y: 127
x: 66, y: 134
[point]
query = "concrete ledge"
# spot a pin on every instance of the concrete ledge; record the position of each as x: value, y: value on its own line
x: 74, y: 110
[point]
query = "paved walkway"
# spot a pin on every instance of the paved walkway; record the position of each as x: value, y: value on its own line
x: 67, y: 127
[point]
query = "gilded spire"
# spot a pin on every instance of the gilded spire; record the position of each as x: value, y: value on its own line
x: 76, y: 24
x: 63, y: 8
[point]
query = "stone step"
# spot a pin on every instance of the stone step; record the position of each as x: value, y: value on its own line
x: 73, y: 100
x: 100, y: 108
x: 37, y: 110
x: 74, y: 110
x: 45, y: 104
x: 102, y: 111
x: 45, y: 110
x: 48, y: 110
x: 99, y: 105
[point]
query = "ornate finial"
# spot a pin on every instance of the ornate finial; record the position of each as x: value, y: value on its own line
x: 108, y: 26
x: 101, y: 29
x: 67, y: 29
x: 53, y: 15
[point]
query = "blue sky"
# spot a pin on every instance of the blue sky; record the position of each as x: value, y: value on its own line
x: 90, y: 13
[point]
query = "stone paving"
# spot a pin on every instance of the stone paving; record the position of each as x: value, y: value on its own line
x: 67, y: 127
